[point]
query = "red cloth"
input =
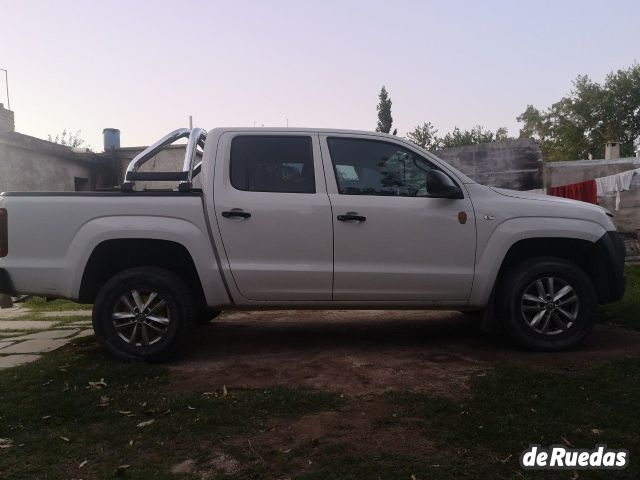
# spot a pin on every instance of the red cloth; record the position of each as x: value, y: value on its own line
x: 584, y: 191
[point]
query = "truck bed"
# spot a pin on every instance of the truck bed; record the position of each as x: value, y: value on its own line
x: 51, y: 234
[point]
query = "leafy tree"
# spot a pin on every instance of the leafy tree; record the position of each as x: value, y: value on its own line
x: 460, y: 138
x: 501, y: 135
x: 591, y: 114
x: 67, y: 138
x: 427, y: 137
x: 385, y: 120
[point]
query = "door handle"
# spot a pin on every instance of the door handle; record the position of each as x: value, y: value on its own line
x: 236, y: 213
x: 351, y: 217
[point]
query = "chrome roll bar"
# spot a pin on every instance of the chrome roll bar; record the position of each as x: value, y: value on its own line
x: 197, y: 136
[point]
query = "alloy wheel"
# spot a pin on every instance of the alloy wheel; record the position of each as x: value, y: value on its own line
x: 550, y: 305
x: 141, y: 318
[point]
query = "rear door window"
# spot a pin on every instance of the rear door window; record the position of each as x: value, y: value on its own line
x: 263, y: 163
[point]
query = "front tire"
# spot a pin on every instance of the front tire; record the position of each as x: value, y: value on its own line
x: 143, y: 313
x: 547, y: 304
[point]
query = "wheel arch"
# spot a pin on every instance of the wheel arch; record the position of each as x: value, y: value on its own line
x: 583, y: 253
x: 113, y: 256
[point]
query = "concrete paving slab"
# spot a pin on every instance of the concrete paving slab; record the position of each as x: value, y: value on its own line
x: 80, y: 323
x: 85, y: 333
x: 47, y: 334
x: 5, y: 344
x: 35, y: 346
x: 15, y: 360
x: 13, y: 312
x: 26, y: 324
x: 68, y: 313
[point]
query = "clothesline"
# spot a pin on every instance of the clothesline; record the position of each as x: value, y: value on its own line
x: 591, y: 190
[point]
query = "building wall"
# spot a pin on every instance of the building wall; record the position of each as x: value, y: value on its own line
x: 515, y: 164
x: 31, y: 164
x: 7, y: 120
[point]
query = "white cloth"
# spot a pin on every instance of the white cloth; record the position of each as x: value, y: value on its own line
x: 614, y: 184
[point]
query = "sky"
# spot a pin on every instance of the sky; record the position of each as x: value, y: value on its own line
x: 145, y: 66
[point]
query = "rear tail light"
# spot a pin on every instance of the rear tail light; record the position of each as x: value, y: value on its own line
x: 4, y: 234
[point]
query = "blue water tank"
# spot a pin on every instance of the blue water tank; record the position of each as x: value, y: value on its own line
x: 111, y: 138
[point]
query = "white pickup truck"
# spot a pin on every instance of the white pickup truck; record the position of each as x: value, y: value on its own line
x: 310, y: 218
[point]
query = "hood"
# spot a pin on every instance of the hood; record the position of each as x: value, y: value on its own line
x: 551, y: 199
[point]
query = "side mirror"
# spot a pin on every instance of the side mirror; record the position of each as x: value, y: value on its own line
x: 439, y: 185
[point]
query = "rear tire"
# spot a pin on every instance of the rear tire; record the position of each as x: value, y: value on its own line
x: 547, y: 304
x: 143, y: 313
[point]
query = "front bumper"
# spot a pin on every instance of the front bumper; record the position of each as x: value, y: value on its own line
x: 612, y: 253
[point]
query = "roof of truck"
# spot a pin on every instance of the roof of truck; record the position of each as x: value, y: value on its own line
x: 305, y: 130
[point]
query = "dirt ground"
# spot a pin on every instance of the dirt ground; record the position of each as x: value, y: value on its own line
x: 362, y: 352
x: 361, y: 355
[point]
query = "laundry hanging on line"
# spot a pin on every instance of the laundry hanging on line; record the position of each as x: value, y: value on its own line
x: 614, y: 184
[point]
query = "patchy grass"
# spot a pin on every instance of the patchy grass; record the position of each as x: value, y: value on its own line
x: 625, y: 312
x: 57, y: 419
x: 515, y: 406
x: 41, y: 304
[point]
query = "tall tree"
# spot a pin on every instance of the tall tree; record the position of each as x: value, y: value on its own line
x: 580, y: 124
x: 385, y: 120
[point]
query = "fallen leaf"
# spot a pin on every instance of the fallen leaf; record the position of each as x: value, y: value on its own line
x: 185, y: 467
x: 130, y: 443
x: 97, y: 385
x: 83, y: 464
x: 121, y: 469
x: 413, y: 477
x: 124, y: 412
x: 224, y: 390
x: 46, y: 417
x: 566, y: 442
x: 145, y: 423
x: 65, y: 439
x: 190, y: 407
x: 6, y: 442
x: 596, y: 431
x: 104, y: 401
